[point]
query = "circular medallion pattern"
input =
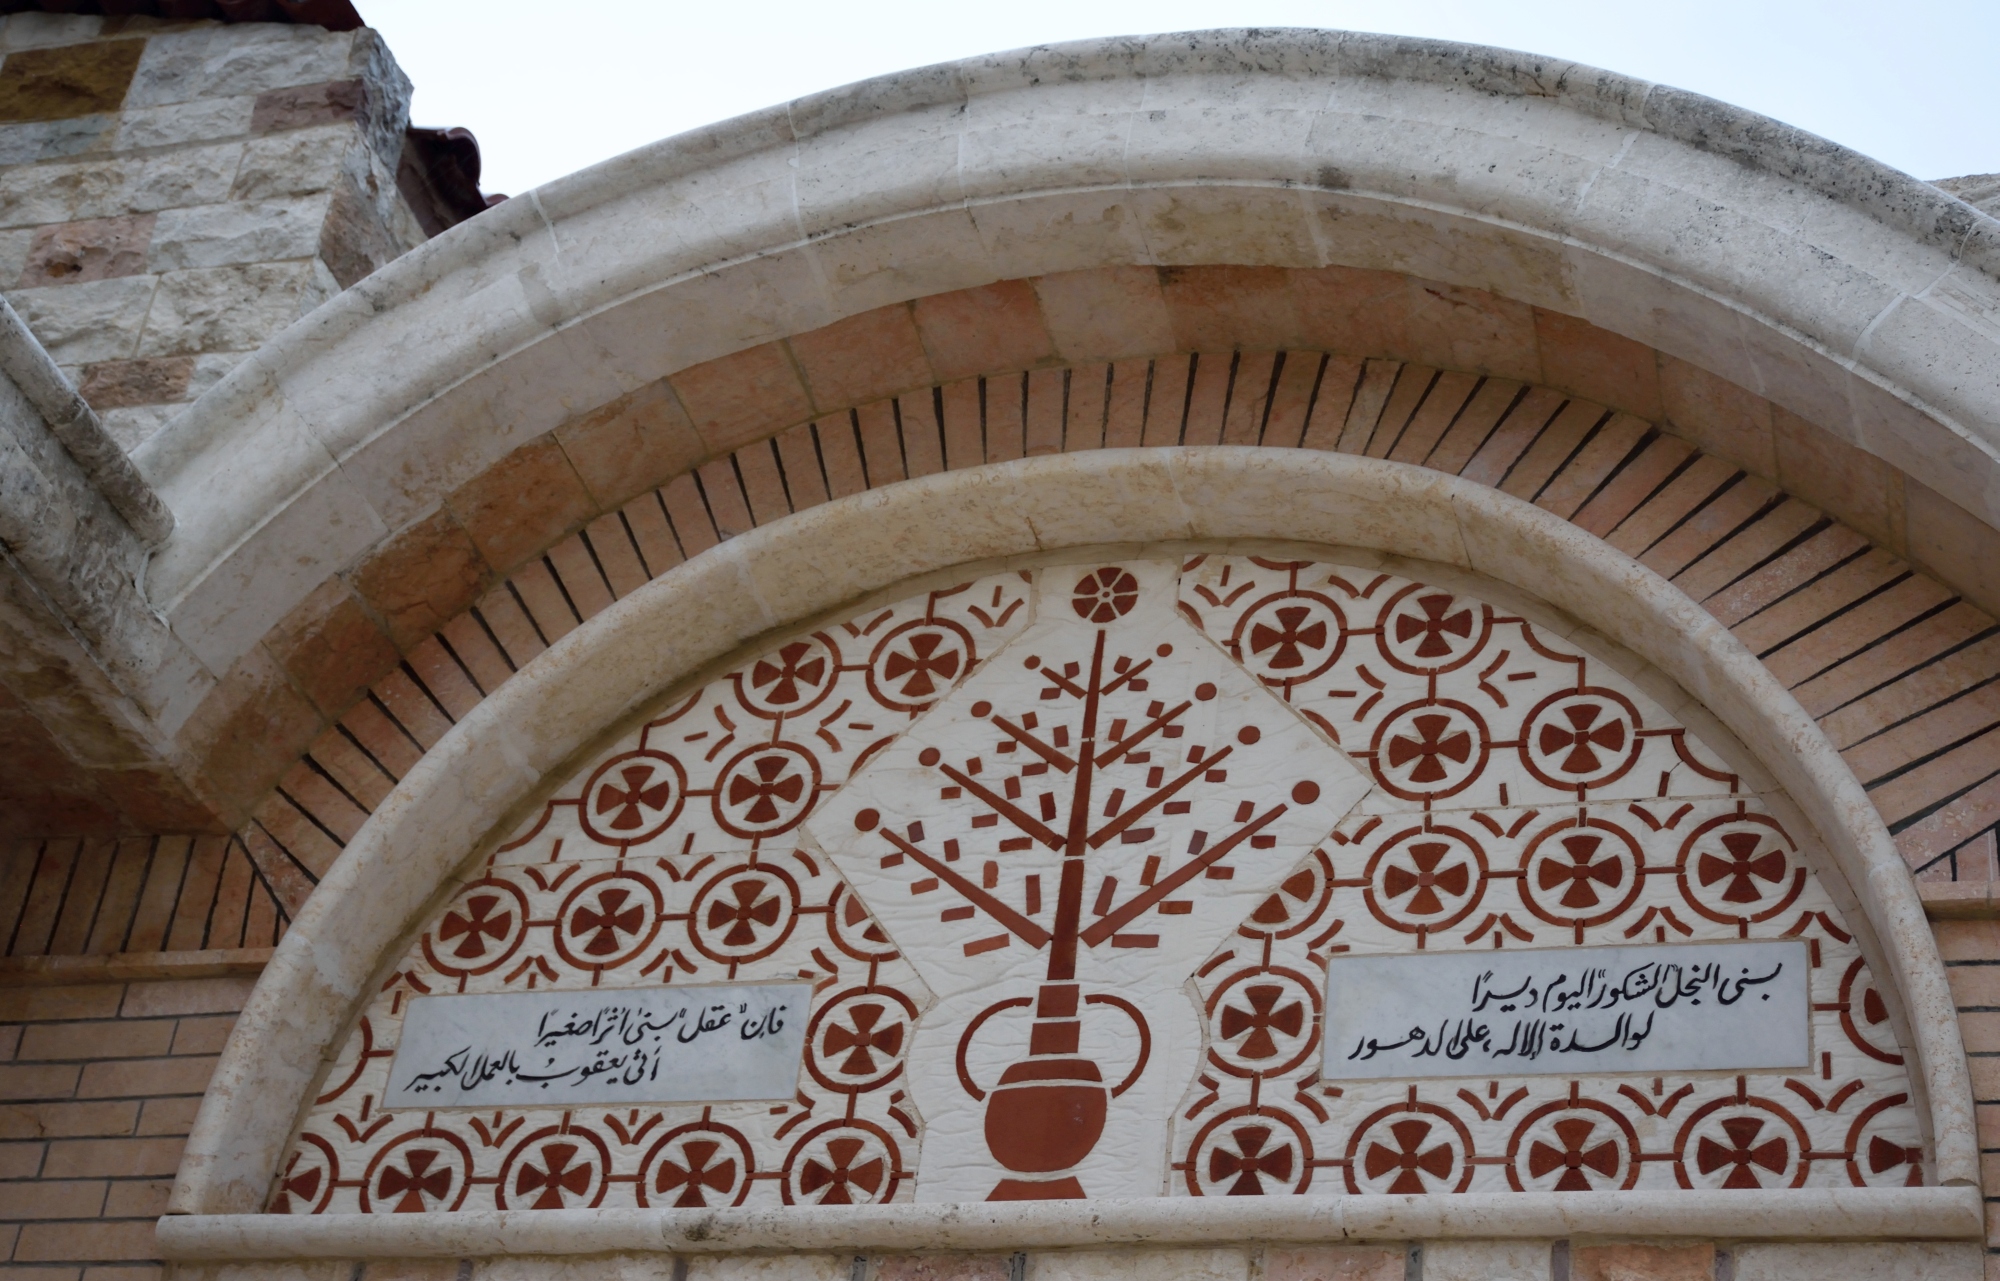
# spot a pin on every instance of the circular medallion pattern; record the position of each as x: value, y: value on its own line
x: 1425, y: 879
x: 693, y: 1166
x: 632, y: 797
x: 554, y: 1169
x: 744, y: 913
x: 1430, y: 750
x: 1581, y: 738
x: 766, y: 791
x: 1290, y: 637
x: 608, y: 919
x: 1427, y: 631
x: 1581, y: 872
x: 1250, y: 1151
x: 916, y: 663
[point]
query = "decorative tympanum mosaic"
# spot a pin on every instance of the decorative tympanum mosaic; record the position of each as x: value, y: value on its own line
x: 1065, y: 854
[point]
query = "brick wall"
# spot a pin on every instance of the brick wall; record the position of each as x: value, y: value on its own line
x: 1971, y: 950
x: 99, y: 1083
x: 173, y: 194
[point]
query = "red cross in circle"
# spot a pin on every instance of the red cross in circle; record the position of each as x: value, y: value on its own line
x: 477, y: 925
x: 610, y: 919
x: 1251, y: 1161
x: 1289, y: 637
x: 1430, y: 743
x: 556, y: 1177
x: 632, y: 800
x: 1434, y: 626
x: 774, y: 778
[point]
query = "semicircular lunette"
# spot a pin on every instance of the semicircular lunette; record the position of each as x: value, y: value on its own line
x: 1105, y: 838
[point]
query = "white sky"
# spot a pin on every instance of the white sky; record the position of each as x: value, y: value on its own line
x: 550, y: 86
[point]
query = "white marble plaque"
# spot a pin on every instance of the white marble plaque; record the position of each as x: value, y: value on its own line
x: 1673, y: 1008
x: 717, y: 1044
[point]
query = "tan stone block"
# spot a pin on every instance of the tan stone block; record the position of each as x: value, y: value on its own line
x: 1988, y: 1117
x: 68, y: 1120
x: 410, y: 1270
x: 93, y: 321
x: 1335, y: 1263
x: 1850, y: 484
x: 113, y: 1039
x: 1187, y: 1264
x: 741, y: 1267
x: 422, y: 578
x: 99, y: 1240
x: 863, y: 358
x: 331, y: 648
x: 1638, y: 1261
x: 942, y: 1267
x: 635, y: 443
x: 1598, y: 365
x: 1471, y: 330
x: 1974, y: 984
x: 1980, y: 1031
x: 1861, y: 1261
x: 124, y: 1272
x: 64, y: 1001
x: 1722, y: 418
x: 742, y: 397
x: 56, y: 1199
x: 991, y: 329
x: 119, y: 384
x: 203, y: 1035
x: 9, y: 1233
x: 1106, y: 313
x: 10, y: 1040
x: 1985, y: 1072
x: 247, y: 733
x: 168, y: 1116
x: 1487, y: 1261
x: 21, y: 1160
x: 38, y: 1081
x: 1218, y: 308
x: 133, y: 1078
x: 302, y: 106
x: 1975, y: 940
x: 1354, y: 311
x: 354, y: 242
x: 521, y: 504
x: 137, y: 1198
x: 71, y: 253
x: 68, y: 80
x: 113, y: 1158
x: 39, y: 1274
x: 1954, y: 544
x: 223, y: 994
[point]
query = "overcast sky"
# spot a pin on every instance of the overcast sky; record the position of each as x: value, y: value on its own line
x: 550, y: 86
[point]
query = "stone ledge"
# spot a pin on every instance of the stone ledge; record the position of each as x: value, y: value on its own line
x: 120, y: 967
x: 1816, y: 1214
x: 1960, y: 900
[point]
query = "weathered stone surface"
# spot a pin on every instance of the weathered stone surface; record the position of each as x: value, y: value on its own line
x: 118, y: 384
x: 133, y: 427
x: 94, y: 249
x: 67, y: 80
x: 224, y: 308
x: 52, y: 139
x: 180, y: 123
x: 80, y: 324
x: 298, y: 163
x: 235, y: 232
x: 353, y: 241
x: 216, y: 62
x: 304, y: 106
x: 36, y: 194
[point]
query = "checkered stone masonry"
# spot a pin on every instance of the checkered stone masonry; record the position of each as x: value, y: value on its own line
x: 1023, y: 782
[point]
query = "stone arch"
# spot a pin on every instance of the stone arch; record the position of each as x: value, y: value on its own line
x: 499, y: 757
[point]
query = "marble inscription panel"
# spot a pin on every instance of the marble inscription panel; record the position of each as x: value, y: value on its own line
x: 713, y: 1044
x: 1679, y: 1008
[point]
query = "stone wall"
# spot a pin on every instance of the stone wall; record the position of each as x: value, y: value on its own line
x: 99, y: 1083
x: 173, y: 194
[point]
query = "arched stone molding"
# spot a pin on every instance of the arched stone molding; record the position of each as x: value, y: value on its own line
x: 1843, y: 291
x: 495, y: 762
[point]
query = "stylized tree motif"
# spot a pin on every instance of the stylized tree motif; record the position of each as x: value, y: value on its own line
x: 1289, y: 637
x: 606, y: 922
x: 1573, y: 1157
x: 1582, y: 739
x: 1427, y: 746
x: 1582, y: 869
x: 1263, y: 1015
x: 1409, y: 1157
x: 1251, y: 1162
x: 701, y: 1175
x: 1743, y: 1155
x: 1427, y: 880
x: 755, y: 905
x: 1743, y: 868
x: 416, y: 1182
x: 838, y: 1172
x: 555, y: 1177
x: 1434, y: 626
x: 923, y: 661
x: 787, y: 673
x: 861, y: 1040
x: 633, y: 800
x: 478, y: 924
